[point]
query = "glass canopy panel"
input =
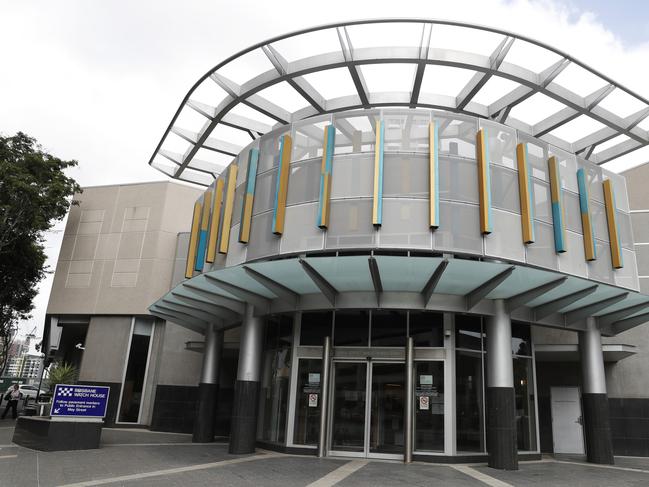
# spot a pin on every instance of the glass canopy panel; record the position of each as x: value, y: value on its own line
x: 610, y: 143
x: 332, y: 83
x: 164, y: 165
x: 531, y: 56
x: 494, y: 89
x: 197, y: 177
x: 521, y: 280
x: 631, y: 300
x: 246, y: 67
x: 579, y: 80
x: 284, y: 95
x: 603, y: 292
x: 238, y: 277
x: 445, y: 80
x: 190, y: 119
x: 536, y: 108
x: 202, y: 283
x: 578, y: 128
x: 406, y: 274
x: 346, y: 274
x: 465, y: 39
x: 230, y: 135
x: 463, y: 276
x: 393, y: 34
x: 288, y: 273
x: 621, y: 103
x: 247, y: 111
x: 388, y: 77
x: 209, y: 93
x: 572, y: 285
x: 308, y: 44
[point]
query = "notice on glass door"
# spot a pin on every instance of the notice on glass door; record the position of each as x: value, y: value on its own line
x: 424, y: 403
x: 313, y: 400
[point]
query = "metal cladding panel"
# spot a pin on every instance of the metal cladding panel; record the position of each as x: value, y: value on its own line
x: 484, y: 182
x: 249, y: 196
x: 526, y: 194
x: 377, y: 202
x: 433, y: 176
x: 224, y: 241
x: 193, y: 240
x: 584, y: 208
x: 325, y: 177
x: 281, y: 188
x: 613, y: 230
x: 215, y: 220
x: 202, y: 234
x: 558, y: 220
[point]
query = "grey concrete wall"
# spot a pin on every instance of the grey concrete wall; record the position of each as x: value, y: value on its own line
x: 178, y: 366
x: 106, y: 349
x: 118, y: 250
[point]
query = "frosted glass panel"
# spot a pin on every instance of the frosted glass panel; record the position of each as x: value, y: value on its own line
x: 405, y: 224
x: 506, y: 240
x: 627, y: 276
x: 501, y: 142
x: 308, y: 139
x: 459, y: 228
x: 593, y: 180
x: 350, y: 224
x: 264, y: 192
x: 574, y: 260
x: 262, y: 240
x: 238, y: 203
x: 304, y: 182
x: 458, y: 180
x: 269, y: 151
x: 457, y: 136
x: 504, y: 189
x: 405, y: 176
x: 236, y: 251
x: 600, y: 225
x: 541, y: 252
x: 352, y: 176
x: 542, y: 202
x: 572, y: 212
x: 567, y: 169
x: 407, y: 132
x: 600, y: 269
x: 537, y: 157
x: 356, y: 132
x: 624, y: 227
x: 300, y: 231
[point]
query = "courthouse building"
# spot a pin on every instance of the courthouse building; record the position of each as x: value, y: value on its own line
x: 400, y: 242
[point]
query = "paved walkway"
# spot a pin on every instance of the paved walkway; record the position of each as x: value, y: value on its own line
x: 131, y: 457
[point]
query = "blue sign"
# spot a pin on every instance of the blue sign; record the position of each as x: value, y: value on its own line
x: 80, y: 401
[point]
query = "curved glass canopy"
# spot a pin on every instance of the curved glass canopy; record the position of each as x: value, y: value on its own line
x: 452, y: 66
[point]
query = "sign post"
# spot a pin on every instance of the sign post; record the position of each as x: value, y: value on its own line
x: 79, y: 402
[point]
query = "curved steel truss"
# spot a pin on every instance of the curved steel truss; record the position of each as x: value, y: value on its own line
x: 598, y: 130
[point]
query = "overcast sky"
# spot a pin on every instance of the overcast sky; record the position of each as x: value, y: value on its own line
x: 99, y: 81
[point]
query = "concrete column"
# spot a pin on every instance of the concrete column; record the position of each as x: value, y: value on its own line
x: 243, y: 429
x: 208, y: 386
x: 599, y: 446
x: 501, y: 404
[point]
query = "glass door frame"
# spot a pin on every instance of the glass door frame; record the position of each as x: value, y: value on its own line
x: 368, y: 410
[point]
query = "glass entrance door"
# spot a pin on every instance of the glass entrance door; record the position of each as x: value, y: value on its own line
x: 367, y: 414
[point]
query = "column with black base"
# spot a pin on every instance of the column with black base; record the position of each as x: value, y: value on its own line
x: 501, y: 403
x: 599, y: 447
x: 208, y: 386
x: 243, y: 429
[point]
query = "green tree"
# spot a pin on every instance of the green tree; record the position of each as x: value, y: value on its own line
x: 34, y: 194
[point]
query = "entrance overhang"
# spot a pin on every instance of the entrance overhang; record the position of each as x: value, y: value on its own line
x: 570, y: 352
x: 446, y: 284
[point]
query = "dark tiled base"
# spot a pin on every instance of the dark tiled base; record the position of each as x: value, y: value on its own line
x: 501, y: 428
x: 599, y: 447
x: 243, y: 431
x: 174, y: 409
x: 291, y: 450
x: 477, y: 458
x: 40, y: 433
x: 205, y: 413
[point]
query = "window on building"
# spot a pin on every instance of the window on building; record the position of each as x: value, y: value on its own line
x: 309, y: 398
x: 388, y: 328
x: 315, y: 326
x: 426, y: 329
x: 351, y: 328
x: 524, y: 387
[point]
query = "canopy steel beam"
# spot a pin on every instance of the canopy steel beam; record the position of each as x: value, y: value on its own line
x: 212, y: 316
x: 546, y: 309
x: 205, y: 303
x: 608, y: 319
x: 588, y: 310
x: 325, y: 286
x: 433, y: 281
x: 628, y: 323
x: 376, y: 279
x: 189, y: 323
x: 257, y: 300
x: 475, y: 296
x: 281, y: 291
x: 525, y: 297
x: 193, y: 291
